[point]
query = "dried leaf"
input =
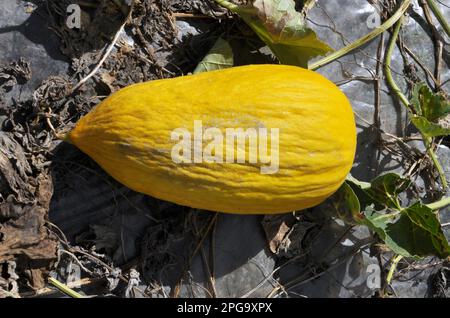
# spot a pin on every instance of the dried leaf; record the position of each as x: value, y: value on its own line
x: 108, y: 80
x: 285, y: 234
x: 27, y: 236
x: 14, y: 171
x: 8, y: 280
x: 284, y: 30
x: 276, y: 229
x: 13, y: 73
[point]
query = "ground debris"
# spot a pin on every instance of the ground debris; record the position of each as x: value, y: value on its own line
x: 113, y: 279
x: 52, y: 90
x: 8, y: 280
x: 23, y: 233
x: 99, y: 22
x: 133, y: 283
x: 439, y: 282
x: 157, y: 248
x: 209, y: 8
x: 285, y: 234
x: 16, y: 72
x: 14, y: 172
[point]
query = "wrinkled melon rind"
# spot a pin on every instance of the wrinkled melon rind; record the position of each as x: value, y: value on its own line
x: 128, y: 135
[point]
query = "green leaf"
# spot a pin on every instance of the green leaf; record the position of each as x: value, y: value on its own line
x: 378, y: 222
x: 364, y: 199
x: 413, y: 232
x: 385, y: 189
x: 431, y: 106
x: 428, y: 128
x: 431, y: 111
x: 283, y: 29
x: 361, y: 184
x: 346, y: 204
x: 382, y: 191
x: 219, y: 57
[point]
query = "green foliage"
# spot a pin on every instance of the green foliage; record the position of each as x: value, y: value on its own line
x: 430, y: 111
x: 284, y: 31
x: 414, y: 231
x: 219, y: 57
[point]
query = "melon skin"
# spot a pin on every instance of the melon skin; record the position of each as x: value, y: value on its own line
x: 129, y: 136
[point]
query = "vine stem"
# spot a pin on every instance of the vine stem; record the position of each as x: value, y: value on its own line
x: 428, y: 145
x: 308, y: 5
x: 64, y: 288
x: 439, y: 16
x: 390, y: 79
x: 394, y: 264
x: 387, y: 64
x: 226, y: 4
x: 439, y: 204
x: 363, y: 40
